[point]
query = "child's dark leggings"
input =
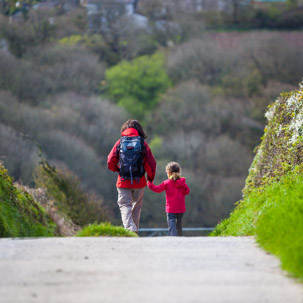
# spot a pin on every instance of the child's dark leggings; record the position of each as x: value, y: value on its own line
x: 174, y: 222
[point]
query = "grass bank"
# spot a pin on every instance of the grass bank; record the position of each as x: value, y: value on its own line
x: 274, y: 214
x: 272, y: 205
x: 20, y: 215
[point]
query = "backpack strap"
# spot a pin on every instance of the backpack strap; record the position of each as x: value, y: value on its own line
x: 131, y: 174
x: 143, y: 146
x: 118, y: 148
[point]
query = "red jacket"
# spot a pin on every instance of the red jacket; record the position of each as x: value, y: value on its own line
x: 175, y: 194
x: 149, y: 163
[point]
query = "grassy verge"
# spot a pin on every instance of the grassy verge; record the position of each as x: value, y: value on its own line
x: 105, y: 229
x: 20, y: 215
x: 274, y: 214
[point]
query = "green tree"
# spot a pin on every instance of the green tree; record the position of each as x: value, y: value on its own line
x: 137, y: 85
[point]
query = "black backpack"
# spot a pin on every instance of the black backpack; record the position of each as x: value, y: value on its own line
x: 131, y: 151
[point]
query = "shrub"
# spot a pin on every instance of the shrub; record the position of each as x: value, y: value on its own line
x: 132, y: 38
x: 65, y: 226
x: 74, y: 22
x: 8, y: 68
x: 226, y: 157
x: 202, y: 60
x: 186, y: 147
x: 65, y: 189
x: 238, y: 64
x: 96, y: 120
x: 20, y: 78
x: 77, y: 156
x: 105, y: 230
x: 18, y: 154
x: 72, y: 130
x: 68, y: 68
x: 49, y: 71
x: 28, y: 33
x: 96, y: 44
x: 277, y: 56
x: 186, y: 107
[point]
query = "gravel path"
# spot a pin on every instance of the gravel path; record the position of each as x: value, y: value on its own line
x: 143, y: 270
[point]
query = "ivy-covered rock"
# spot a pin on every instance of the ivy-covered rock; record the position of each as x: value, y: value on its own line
x: 281, y: 149
x: 20, y: 214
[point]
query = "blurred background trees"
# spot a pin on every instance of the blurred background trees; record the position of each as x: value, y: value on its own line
x: 198, y: 74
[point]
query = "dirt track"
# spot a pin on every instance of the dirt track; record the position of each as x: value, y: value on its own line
x: 144, y: 270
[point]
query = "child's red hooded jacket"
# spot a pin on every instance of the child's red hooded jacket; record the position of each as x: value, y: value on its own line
x: 175, y: 194
x: 149, y: 162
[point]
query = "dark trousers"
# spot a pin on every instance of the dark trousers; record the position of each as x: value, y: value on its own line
x: 174, y: 222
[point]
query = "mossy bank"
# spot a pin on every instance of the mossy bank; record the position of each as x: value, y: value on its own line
x: 20, y: 215
x: 272, y: 204
x: 105, y: 229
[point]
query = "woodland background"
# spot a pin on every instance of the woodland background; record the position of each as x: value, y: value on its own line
x: 199, y: 81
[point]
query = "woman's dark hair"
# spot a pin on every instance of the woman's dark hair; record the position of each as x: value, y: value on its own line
x: 134, y: 124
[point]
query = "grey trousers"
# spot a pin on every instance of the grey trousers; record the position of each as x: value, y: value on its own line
x: 174, y: 224
x: 130, y: 202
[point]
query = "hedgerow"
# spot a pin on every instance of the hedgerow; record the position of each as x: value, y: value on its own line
x: 272, y: 204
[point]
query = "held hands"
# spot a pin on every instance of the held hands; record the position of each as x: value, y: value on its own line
x: 150, y: 184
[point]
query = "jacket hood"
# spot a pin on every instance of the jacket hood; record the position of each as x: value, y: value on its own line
x: 130, y: 132
x: 179, y: 183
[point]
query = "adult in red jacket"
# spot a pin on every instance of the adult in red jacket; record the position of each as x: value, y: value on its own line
x: 130, y: 194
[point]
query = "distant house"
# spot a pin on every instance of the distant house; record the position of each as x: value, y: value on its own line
x: 266, y: 2
x: 269, y: 1
x: 24, y: 7
x: 97, y: 9
x: 129, y: 5
x: 204, y: 5
x: 3, y: 45
x: 194, y: 6
x: 221, y: 5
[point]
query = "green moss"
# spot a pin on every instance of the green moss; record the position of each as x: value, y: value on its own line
x: 20, y: 215
x: 105, y: 229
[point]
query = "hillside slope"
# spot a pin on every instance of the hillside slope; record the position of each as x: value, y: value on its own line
x: 20, y: 215
x: 272, y: 204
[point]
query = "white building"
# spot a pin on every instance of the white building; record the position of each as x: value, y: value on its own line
x: 97, y: 8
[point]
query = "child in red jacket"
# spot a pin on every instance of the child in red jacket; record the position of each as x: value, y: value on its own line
x: 176, y: 189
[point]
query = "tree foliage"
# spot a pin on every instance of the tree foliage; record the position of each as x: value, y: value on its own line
x: 137, y: 85
x: 200, y: 94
